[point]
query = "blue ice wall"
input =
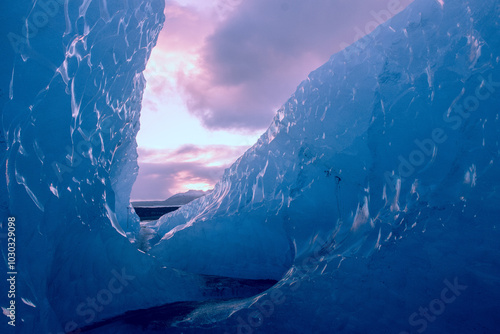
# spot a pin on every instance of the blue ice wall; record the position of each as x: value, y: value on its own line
x: 72, y: 84
x: 377, y: 184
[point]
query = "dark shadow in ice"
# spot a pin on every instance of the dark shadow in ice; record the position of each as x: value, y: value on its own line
x: 220, y: 288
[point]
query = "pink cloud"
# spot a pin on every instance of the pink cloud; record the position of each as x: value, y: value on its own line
x: 185, y: 28
x: 163, y: 173
x: 254, y: 60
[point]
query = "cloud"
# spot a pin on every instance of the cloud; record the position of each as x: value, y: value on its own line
x: 177, y: 177
x: 254, y: 59
x: 164, y: 173
x: 185, y: 27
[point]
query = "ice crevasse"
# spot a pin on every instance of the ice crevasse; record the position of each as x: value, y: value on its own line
x: 374, y: 188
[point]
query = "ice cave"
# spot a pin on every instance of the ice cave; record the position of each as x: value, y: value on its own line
x: 370, y: 205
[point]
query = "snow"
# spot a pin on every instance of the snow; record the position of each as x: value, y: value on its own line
x: 374, y: 189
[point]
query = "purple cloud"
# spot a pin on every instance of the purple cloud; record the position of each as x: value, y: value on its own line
x: 164, y: 173
x: 255, y: 58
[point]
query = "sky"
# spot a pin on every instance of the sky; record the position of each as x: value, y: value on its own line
x: 220, y: 71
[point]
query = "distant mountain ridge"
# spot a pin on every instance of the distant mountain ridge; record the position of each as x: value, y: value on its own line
x: 175, y: 200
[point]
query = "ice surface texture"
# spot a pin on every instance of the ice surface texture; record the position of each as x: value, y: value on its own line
x: 70, y: 114
x: 374, y: 189
x: 377, y: 180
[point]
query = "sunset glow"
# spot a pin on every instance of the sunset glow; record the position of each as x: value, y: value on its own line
x: 167, y: 126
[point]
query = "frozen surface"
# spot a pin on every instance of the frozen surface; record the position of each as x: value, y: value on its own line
x: 376, y: 182
x: 376, y: 133
x: 71, y: 95
x: 374, y: 189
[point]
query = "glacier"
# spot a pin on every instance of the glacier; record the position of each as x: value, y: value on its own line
x: 371, y: 201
